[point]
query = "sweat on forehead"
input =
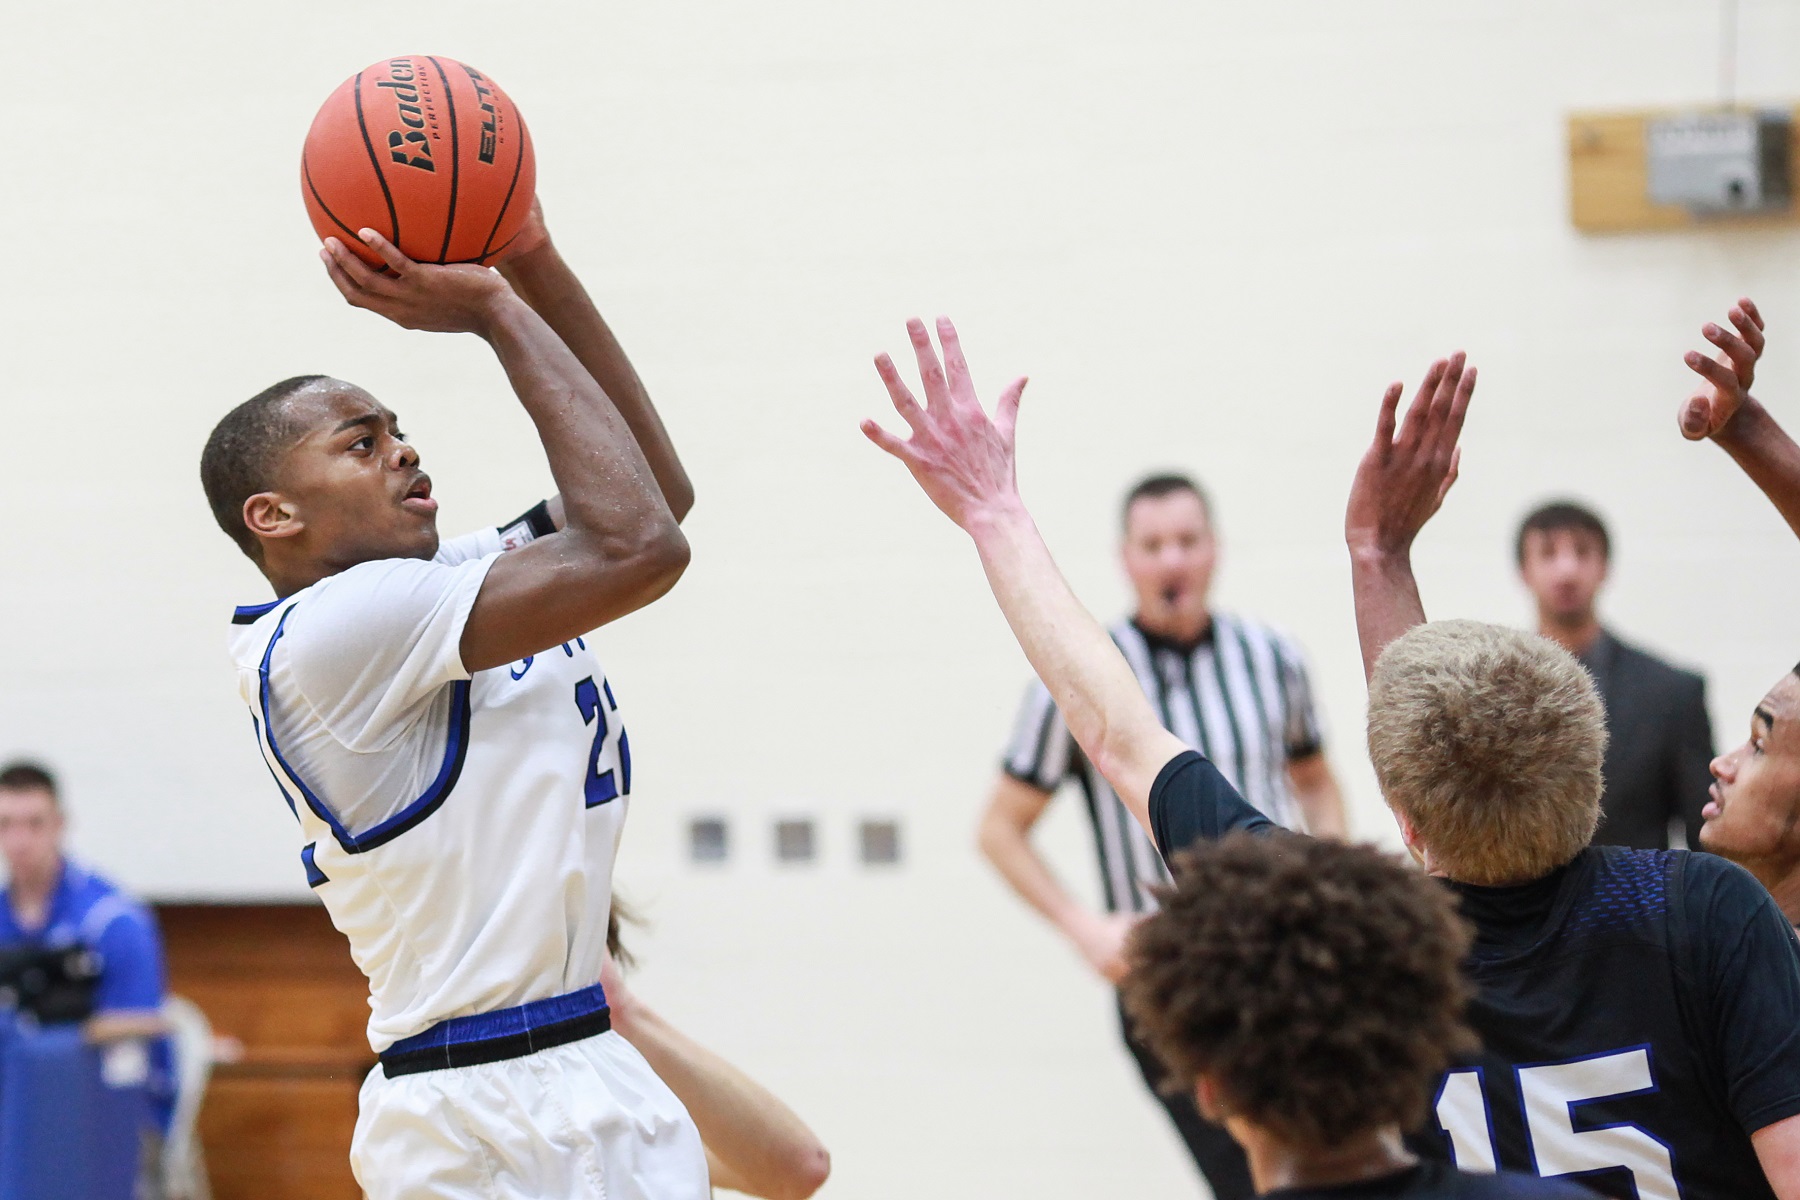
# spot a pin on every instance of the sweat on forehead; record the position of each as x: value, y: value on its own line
x: 328, y: 401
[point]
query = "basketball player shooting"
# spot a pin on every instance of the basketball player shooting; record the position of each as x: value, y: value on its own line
x: 451, y: 748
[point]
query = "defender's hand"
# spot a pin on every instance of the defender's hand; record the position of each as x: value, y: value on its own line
x: 1728, y: 374
x: 1401, y: 481
x: 458, y: 298
x: 961, y: 457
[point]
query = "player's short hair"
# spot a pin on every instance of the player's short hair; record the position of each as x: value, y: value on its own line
x: 26, y: 776
x: 1562, y: 514
x: 242, y: 453
x: 1315, y: 984
x: 1154, y: 487
x: 1489, y: 742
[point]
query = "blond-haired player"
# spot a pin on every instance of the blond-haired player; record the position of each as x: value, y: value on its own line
x: 1639, y: 1010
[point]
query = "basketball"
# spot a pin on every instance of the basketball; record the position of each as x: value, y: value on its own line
x: 428, y: 152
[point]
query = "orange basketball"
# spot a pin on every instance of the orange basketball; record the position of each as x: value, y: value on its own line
x: 426, y: 151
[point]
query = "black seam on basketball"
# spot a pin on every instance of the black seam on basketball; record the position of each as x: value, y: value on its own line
x: 306, y: 173
x: 393, y: 217
x: 487, y: 250
x: 500, y: 249
x: 455, y: 158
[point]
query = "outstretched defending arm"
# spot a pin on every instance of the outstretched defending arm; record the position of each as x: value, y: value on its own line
x: 755, y: 1144
x: 1400, y: 484
x: 964, y: 461
x: 1725, y: 411
x: 620, y: 547
x: 537, y: 272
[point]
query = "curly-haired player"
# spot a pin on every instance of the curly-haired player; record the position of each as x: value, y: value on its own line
x: 1307, y: 995
x: 1639, y: 1010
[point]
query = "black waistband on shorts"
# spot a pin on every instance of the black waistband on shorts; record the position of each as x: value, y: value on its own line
x: 501, y: 1034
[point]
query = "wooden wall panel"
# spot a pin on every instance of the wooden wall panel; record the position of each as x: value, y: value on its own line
x: 280, y: 980
x: 1609, y: 178
x: 280, y: 1138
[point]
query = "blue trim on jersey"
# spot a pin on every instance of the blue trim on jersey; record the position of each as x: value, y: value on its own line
x: 456, y: 748
x: 279, y: 786
x: 249, y: 614
x: 517, y: 1021
x: 314, y: 876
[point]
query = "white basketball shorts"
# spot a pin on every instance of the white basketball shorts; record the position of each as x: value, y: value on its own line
x: 588, y: 1120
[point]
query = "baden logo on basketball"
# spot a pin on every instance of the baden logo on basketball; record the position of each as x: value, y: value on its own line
x: 411, y: 148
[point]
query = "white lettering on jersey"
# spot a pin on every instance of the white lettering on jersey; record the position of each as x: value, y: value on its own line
x: 1550, y: 1093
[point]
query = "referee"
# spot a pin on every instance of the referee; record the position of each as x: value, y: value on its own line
x: 1232, y: 688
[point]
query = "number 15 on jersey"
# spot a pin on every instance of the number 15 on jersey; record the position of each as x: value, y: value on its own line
x: 1551, y: 1093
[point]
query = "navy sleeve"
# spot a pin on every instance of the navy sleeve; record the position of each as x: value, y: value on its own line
x: 1190, y: 802
x: 131, y: 964
x: 1750, y: 990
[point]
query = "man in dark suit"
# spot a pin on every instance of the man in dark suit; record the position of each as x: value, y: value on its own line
x: 1661, y: 741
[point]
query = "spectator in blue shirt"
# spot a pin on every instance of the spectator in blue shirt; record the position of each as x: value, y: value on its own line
x: 52, y: 903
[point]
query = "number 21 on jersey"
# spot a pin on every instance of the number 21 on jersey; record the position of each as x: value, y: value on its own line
x: 602, y: 783
x: 1551, y: 1092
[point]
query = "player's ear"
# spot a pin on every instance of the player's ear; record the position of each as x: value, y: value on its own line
x: 1409, y: 837
x: 272, y: 515
x: 1206, y: 1099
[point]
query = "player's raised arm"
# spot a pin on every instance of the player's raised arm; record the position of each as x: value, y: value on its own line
x: 545, y: 281
x: 755, y: 1144
x: 620, y: 547
x: 1399, y: 485
x: 964, y: 462
x: 1725, y: 411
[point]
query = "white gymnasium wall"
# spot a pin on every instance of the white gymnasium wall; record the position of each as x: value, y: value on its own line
x: 1211, y: 233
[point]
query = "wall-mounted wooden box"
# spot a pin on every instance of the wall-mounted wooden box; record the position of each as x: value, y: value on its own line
x: 1609, y: 189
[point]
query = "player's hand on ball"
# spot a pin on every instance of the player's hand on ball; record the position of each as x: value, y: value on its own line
x: 458, y: 298
x: 1728, y: 374
x: 1403, y: 478
x: 959, y: 455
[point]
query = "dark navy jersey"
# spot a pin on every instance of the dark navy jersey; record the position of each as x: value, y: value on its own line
x: 1639, y: 1012
x: 1435, y: 1181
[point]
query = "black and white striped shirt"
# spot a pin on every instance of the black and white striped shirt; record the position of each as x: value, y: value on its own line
x: 1240, y: 696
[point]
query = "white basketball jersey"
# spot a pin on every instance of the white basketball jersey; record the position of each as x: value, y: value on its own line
x: 460, y: 829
